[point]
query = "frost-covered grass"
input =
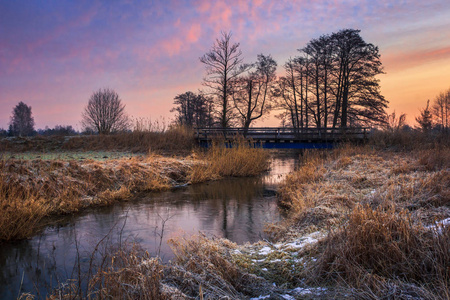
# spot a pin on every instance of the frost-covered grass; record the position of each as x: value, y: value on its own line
x: 362, y: 224
x: 31, y: 190
x: 68, y: 155
x: 176, y: 139
x: 34, y: 186
x: 379, y: 209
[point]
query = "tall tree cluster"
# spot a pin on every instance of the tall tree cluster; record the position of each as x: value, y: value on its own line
x: 332, y: 83
x: 441, y: 110
x: 193, y: 110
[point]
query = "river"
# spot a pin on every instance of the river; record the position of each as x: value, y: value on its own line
x: 233, y: 208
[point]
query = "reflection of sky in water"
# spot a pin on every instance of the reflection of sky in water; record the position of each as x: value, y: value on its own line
x: 235, y: 208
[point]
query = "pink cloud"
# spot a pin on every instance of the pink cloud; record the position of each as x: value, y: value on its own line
x: 194, y: 33
x: 396, y: 61
x: 172, y: 46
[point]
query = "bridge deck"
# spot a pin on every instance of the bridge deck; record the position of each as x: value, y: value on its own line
x: 288, y: 134
x: 285, y: 137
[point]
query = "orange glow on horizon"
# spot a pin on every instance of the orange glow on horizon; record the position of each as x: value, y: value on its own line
x: 408, y: 90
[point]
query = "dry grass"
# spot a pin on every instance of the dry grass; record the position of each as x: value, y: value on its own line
x: 377, y: 207
x: 30, y: 191
x: 239, y: 160
x: 125, y: 272
x: 179, y: 140
x: 176, y: 140
x: 205, y: 268
x: 409, y: 140
x: 380, y: 245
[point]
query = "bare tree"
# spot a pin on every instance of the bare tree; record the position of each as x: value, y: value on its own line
x: 252, y: 92
x: 22, y: 121
x: 441, y: 110
x: 223, y: 64
x: 394, y: 122
x: 284, y: 100
x: 105, y: 112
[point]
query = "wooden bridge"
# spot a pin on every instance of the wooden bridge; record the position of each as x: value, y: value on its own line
x: 269, y: 137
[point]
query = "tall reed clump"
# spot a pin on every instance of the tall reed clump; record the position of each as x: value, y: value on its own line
x: 123, y: 271
x: 293, y: 190
x: 239, y: 159
x: 380, y: 249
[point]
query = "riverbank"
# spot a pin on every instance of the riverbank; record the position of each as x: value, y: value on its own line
x: 385, y: 219
x: 362, y: 224
x: 33, y: 189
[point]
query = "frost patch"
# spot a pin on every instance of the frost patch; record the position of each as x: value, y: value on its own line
x: 438, y: 226
x: 308, y: 291
x: 265, y: 250
x: 261, y: 297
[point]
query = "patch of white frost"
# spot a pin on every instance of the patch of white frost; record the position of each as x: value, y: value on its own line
x: 309, y: 239
x: 261, y: 297
x: 308, y: 291
x: 439, y: 225
x: 265, y: 250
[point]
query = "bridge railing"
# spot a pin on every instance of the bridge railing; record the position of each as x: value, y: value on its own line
x: 266, y: 133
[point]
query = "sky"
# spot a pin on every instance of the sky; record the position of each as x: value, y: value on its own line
x: 54, y: 54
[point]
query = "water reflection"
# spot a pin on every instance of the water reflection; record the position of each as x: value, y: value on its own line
x: 235, y: 208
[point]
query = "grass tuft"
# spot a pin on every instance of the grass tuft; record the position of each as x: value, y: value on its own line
x: 381, y: 245
x: 240, y: 159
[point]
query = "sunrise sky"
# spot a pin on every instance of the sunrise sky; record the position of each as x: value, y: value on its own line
x: 54, y: 54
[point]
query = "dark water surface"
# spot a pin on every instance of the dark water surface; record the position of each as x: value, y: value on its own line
x: 235, y: 208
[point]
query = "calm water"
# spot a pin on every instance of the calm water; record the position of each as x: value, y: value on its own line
x: 236, y: 209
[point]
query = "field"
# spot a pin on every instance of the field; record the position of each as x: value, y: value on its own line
x: 363, y: 222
